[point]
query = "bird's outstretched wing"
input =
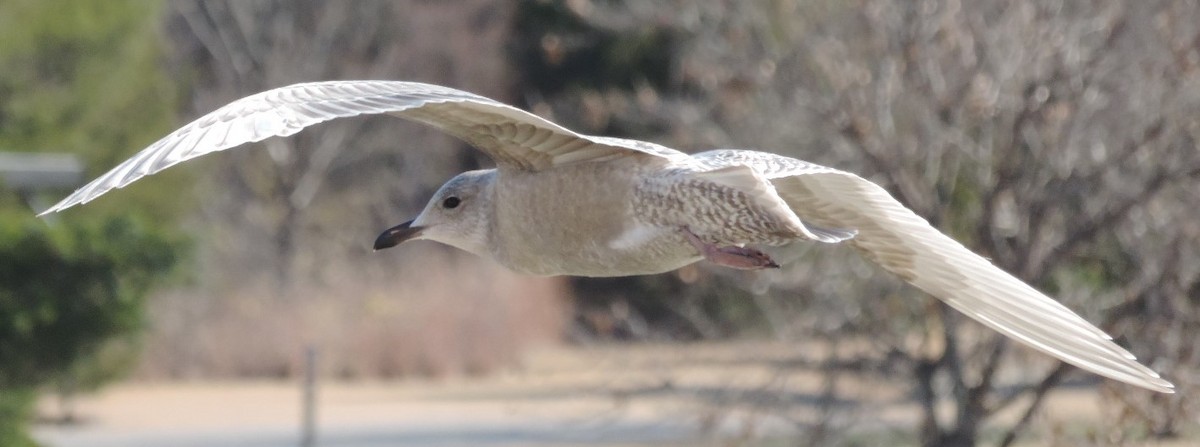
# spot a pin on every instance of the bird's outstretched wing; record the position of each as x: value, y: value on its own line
x: 509, y: 135
x: 905, y: 244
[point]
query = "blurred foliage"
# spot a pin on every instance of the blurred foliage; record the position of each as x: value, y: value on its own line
x: 649, y: 307
x: 16, y: 407
x: 71, y: 302
x: 66, y: 290
x: 85, y: 78
x: 558, y: 50
x: 80, y: 77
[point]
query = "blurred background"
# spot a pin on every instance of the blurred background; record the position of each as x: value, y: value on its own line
x: 1057, y: 138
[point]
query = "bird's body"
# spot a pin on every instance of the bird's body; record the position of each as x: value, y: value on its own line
x: 624, y: 217
x: 563, y: 203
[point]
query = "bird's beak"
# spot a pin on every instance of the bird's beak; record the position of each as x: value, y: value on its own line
x: 398, y: 234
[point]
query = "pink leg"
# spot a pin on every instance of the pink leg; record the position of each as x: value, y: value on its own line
x: 741, y: 258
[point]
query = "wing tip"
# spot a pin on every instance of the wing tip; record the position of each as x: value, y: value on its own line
x: 1144, y: 377
x: 1160, y: 385
x: 61, y: 205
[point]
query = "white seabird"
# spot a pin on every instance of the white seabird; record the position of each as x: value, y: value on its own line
x: 562, y: 203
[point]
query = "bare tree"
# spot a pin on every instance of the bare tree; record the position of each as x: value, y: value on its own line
x: 1056, y: 138
x: 261, y: 200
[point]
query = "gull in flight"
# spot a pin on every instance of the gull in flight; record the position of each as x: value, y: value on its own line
x: 563, y: 203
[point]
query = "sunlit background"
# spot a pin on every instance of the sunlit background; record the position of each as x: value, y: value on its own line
x: 1057, y: 138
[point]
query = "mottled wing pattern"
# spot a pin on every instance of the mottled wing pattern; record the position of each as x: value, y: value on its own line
x: 511, y: 136
x: 730, y: 170
x: 905, y: 244
x: 732, y: 205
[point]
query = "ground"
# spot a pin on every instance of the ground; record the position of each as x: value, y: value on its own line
x: 663, y: 395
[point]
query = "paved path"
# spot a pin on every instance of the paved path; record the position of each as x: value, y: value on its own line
x: 464, y: 433
x: 488, y: 413
x: 604, y: 397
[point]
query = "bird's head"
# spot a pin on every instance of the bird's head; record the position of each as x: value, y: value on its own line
x: 457, y: 215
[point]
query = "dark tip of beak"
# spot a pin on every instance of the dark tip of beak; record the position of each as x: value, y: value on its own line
x: 396, y: 235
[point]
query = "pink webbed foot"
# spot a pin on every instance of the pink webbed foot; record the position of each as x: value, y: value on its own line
x: 741, y: 258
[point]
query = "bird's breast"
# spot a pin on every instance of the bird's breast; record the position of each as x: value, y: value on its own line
x: 578, y: 220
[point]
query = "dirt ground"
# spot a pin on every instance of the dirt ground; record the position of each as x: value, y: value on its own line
x: 701, y: 394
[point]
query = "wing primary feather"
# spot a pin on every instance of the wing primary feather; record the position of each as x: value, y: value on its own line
x: 904, y: 243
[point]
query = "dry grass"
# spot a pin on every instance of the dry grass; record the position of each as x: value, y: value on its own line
x: 450, y: 315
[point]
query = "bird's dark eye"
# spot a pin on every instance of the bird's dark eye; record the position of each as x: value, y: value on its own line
x: 451, y: 202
